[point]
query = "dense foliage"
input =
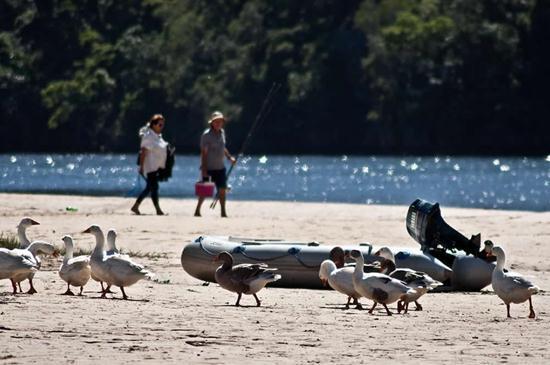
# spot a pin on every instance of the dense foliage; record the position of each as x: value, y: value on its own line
x: 358, y: 76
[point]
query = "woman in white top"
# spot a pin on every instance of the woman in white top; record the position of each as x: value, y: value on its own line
x: 152, y: 157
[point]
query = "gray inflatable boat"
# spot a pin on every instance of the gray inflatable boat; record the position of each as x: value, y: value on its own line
x: 297, y: 262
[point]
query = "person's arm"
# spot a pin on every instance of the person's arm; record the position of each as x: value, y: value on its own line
x: 228, y: 155
x: 204, y: 154
x: 142, y: 153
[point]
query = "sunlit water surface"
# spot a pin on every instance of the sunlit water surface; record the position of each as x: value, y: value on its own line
x: 484, y: 182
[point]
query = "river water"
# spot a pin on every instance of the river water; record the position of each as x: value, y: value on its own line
x: 521, y: 183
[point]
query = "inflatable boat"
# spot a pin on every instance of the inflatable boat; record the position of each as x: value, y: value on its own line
x: 297, y: 262
x: 444, y: 254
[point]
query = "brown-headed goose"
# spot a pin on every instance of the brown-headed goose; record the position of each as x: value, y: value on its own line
x: 244, y: 278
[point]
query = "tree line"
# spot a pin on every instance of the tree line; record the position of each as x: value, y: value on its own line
x: 357, y: 76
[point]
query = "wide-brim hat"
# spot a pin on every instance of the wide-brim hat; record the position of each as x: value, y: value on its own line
x: 216, y: 115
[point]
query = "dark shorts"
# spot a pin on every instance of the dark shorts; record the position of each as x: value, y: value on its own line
x: 218, y: 177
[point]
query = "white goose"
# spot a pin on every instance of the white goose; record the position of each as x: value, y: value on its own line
x: 74, y: 271
x: 418, y: 280
x: 24, y: 243
x: 511, y: 287
x: 114, y: 269
x: 13, y: 264
x: 378, y: 287
x: 32, y: 253
x: 22, y: 231
x: 341, y: 280
x: 112, y: 249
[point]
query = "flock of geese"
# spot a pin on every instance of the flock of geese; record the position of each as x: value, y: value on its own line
x: 105, y: 265
x: 380, y: 282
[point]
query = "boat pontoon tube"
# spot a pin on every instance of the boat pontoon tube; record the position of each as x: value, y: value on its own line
x: 297, y: 262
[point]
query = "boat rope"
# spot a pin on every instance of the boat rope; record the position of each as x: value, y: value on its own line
x: 293, y: 251
x: 199, y: 240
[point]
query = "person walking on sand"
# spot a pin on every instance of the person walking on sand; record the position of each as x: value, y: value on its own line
x: 213, y: 152
x: 152, y: 157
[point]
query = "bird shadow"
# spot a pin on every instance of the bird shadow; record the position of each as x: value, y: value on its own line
x: 117, y: 298
x: 242, y: 306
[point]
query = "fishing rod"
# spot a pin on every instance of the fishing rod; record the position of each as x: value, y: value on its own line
x: 260, y: 117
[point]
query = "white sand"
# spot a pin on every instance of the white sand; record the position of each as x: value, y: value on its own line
x: 186, y: 321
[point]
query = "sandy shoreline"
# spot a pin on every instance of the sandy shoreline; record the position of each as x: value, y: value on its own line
x: 186, y: 321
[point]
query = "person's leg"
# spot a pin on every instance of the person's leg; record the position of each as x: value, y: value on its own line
x: 153, y: 177
x: 222, y: 189
x: 198, y: 208
x: 144, y: 193
x: 222, y: 201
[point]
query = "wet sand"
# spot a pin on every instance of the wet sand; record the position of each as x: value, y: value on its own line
x: 184, y: 320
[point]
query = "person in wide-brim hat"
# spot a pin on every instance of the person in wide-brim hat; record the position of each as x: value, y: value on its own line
x: 213, y: 152
x: 215, y: 116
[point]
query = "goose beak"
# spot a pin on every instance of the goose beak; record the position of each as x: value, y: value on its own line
x: 87, y: 230
x: 34, y: 223
x: 377, y: 253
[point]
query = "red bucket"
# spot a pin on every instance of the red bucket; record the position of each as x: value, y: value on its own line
x: 204, y: 189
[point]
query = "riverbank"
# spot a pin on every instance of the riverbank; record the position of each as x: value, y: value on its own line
x: 184, y: 320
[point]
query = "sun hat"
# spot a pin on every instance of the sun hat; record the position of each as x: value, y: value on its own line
x: 216, y: 115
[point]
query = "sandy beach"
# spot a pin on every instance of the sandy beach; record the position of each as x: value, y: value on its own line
x: 186, y: 321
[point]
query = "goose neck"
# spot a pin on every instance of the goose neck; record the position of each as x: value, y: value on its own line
x: 22, y: 235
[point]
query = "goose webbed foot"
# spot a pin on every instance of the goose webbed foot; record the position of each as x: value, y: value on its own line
x: 373, y: 306
x: 418, y: 306
x: 387, y: 310
x: 32, y: 290
x: 68, y: 292
x: 124, y: 296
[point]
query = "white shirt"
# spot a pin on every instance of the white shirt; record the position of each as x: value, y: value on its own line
x: 155, y: 157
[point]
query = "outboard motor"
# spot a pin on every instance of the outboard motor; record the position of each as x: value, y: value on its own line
x: 427, y: 227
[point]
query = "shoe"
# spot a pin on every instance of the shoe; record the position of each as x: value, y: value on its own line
x: 135, y: 210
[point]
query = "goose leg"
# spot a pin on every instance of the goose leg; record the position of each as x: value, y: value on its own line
x: 124, y: 296
x: 531, y: 310
x: 418, y: 306
x: 81, y: 289
x: 373, y: 306
x: 400, y: 306
x: 106, y: 290
x: 14, y: 285
x: 387, y: 310
x: 357, y: 304
x: 508, y: 310
x: 20, y: 290
x: 32, y: 290
x: 258, y: 302
x: 347, y: 304
x: 68, y: 292
x: 238, y: 300
x: 406, y: 308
